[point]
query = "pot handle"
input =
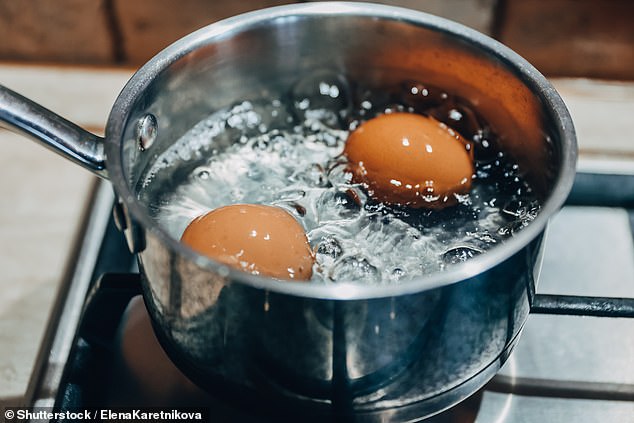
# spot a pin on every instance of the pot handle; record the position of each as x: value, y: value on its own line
x: 28, y: 118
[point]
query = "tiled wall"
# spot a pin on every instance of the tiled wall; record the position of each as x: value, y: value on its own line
x: 560, y: 37
x: 593, y: 38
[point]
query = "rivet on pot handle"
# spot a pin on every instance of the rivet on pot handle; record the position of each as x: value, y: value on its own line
x: 146, y: 131
x: 28, y: 118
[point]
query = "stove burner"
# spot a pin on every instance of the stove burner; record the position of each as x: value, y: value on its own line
x: 131, y: 369
x: 107, y: 366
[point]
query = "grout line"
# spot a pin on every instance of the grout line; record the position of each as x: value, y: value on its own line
x: 116, y: 35
x: 499, y: 16
x: 72, y: 66
x: 613, y: 153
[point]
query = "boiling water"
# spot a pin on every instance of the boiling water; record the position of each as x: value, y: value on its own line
x: 288, y: 152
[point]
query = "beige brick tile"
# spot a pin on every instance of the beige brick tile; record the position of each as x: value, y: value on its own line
x: 602, y: 114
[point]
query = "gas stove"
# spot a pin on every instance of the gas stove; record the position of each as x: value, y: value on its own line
x: 564, y: 368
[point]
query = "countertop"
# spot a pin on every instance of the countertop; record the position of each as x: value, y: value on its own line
x: 44, y: 196
x: 43, y: 200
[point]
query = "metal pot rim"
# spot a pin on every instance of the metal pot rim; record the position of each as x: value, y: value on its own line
x: 348, y: 290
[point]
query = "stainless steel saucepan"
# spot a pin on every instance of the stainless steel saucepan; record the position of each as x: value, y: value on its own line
x: 314, y: 348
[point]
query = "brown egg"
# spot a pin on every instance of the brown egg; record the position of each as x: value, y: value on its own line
x: 411, y: 160
x: 258, y: 239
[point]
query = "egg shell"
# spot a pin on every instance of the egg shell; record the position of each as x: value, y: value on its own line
x: 411, y: 160
x: 257, y: 239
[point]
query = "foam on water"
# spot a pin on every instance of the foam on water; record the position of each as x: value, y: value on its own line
x: 288, y: 154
